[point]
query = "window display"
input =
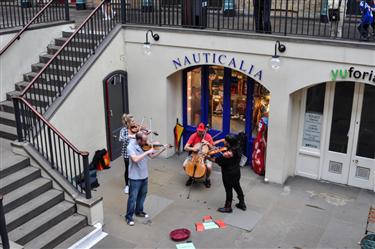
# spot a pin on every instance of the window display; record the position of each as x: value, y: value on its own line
x: 261, y: 102
x: 194, y: 97
x: 238, y: 102
x: 216, y: 97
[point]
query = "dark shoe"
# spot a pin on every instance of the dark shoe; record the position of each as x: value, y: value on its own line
x: 241, y: 206
x: 142, y: 215
x: 207, y: 183
x: 225, y: 210
x: 189, y: 182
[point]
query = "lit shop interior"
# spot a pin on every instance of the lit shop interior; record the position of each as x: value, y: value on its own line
x: 227, y: 100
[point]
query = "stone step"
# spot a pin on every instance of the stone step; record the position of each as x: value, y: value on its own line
x: 73, y: 61
x: 8, y: 132
x: 41, y: 223
x: 32, y: 208
x: 37, y: 88
x: 58, y: 233
x: 77, y: 42
x: 25, y: 193
x: 69, y: 51
x: 76, y: 237
x: 10, y: 162
x: 7, y: 118
x: 96, y: 35
x: 18, y: 178
x: 52, y: 78
x: 52, y: 69
x: 36, y: 99
x: 7, y: 106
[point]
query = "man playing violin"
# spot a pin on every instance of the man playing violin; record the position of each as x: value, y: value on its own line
x: 200, y: 136
x: 138, y: 175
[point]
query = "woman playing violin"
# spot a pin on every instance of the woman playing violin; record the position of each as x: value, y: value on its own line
x: 229, y: 161
x: 126, y: 134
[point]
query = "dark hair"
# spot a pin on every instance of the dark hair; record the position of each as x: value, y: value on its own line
x: 139, y: 135
x: 233, y: 144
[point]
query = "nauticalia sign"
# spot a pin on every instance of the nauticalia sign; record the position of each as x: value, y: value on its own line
x: 352, y: 73
x: 218, y: 59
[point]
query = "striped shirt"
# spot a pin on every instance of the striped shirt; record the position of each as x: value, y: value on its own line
x: 125, y: 139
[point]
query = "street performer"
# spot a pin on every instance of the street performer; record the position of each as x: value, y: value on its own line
x: 200, y: 136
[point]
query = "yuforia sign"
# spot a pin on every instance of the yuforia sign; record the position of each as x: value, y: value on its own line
x: 218, y: 59
x: 352, y: 73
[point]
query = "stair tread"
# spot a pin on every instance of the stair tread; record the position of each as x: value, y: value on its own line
x: 55, y: 231
x: 40, y: 220
x: 17, y: 175
x: 14, y: 93
x: 25, y: 190
x: 7, y: 103
x: 7, y: 115
x: 9, y: 159
x: 31, y: 205
x: 76, y: 237
x: 8, y: 129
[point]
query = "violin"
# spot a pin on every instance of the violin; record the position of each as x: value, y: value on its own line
x: 147, y: 147
x: 217, y: 150
x: 137, y: 128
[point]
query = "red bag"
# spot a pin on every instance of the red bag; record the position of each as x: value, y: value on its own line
x: 106, y: 161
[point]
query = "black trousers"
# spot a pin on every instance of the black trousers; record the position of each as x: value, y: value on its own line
x: 262, y: 16
x: 126, y: 174
x: 232, y: 181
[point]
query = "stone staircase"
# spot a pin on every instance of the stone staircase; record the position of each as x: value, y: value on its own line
x: 37, y: 215
x: 43, y: 92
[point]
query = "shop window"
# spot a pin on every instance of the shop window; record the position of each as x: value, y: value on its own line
x: 194, y: 78
x: 366, y: 136
x: 313, y: 116
x: 261, y: 102
x: 216, y: 97
x: 238, y: 99
x: 341, y: 117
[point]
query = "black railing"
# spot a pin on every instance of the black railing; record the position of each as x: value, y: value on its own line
x: 63, y: 156
x: 53, y: 11
x: 3, y: 227
x: 16, y: 13
x: 282, y: 17
x: 52, y: 79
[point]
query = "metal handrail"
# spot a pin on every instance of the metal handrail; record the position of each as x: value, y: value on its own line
x: 61, y: 49
x: 62, y: 155
x: 45, y: 121
x: 18, y: 35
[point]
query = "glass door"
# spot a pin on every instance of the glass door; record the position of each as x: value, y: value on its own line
x: 341, y: 118
x: 362, y: 163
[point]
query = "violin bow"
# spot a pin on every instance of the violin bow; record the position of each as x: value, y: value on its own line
x: 152, y: 144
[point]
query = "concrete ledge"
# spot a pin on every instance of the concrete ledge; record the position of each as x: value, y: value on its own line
x: 35, y: 26
x: 92, y: 209
x: 271, y: 37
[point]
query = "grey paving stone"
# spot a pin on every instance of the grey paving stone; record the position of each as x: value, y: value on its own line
x: 303, y: 235
x: 341, y: 234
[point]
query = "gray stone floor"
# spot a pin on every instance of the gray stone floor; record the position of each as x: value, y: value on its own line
x: 302, y: 213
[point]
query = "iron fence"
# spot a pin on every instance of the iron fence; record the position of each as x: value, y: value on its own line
x: 63, y: 156
x: 17, y: 13
x: 311, y: 18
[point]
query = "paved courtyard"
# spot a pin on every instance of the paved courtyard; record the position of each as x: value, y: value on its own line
x: 303, y: 213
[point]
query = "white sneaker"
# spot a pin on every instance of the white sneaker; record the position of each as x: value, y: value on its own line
x: 130, y: 222
x: 126, y: 190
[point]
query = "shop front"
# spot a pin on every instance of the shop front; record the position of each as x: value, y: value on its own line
x: 228, y: 101
x: 337, y: 133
